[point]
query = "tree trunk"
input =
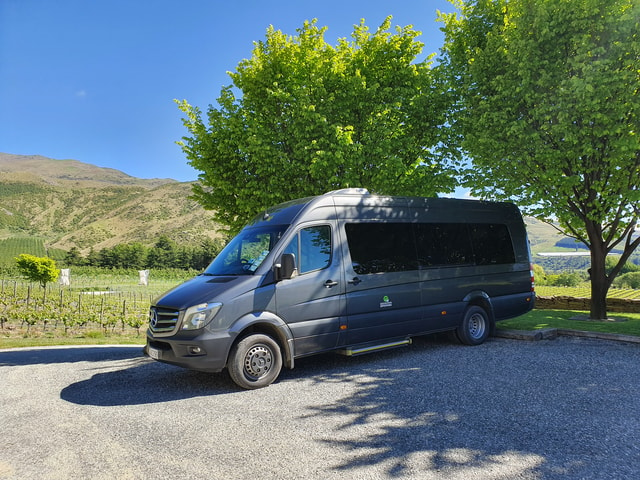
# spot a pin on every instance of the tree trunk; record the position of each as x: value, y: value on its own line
x: 599, y: 283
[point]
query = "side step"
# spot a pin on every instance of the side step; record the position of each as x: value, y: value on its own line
x: 353, y: 351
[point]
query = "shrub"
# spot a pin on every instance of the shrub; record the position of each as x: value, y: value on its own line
x: 564, y: 280
x: 37, y: 269
x: 629, y: 280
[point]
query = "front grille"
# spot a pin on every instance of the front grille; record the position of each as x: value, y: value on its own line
x: 162, y: 320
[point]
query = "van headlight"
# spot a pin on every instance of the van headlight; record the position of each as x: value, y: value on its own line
x: 199, y: 316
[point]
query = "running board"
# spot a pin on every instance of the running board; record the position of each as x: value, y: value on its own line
x: 352, y: 352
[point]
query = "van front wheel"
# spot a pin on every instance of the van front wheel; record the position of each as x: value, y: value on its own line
x: 255, y: 361
x: 475, y: 326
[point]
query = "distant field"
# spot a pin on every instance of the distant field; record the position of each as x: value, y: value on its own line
x: 585, y: 292
x: 10, y: 248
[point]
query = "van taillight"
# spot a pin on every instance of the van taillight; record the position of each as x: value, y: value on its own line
x: 533, y: 280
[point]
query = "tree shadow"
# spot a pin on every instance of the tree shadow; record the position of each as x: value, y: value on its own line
x: 67, y: 354
x: 490, y: 419
x: 503, y: 409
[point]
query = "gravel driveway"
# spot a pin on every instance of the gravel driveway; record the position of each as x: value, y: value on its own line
x: 554, y: 409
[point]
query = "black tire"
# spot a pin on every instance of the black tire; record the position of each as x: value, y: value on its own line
x: 255, y: 361
x: 475, y: 326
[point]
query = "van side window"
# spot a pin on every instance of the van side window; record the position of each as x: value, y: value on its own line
x: 397, y: 247
x: 312, y: 248
x: 492, y: 244
x: 442, y: 244
x: 381, y: 247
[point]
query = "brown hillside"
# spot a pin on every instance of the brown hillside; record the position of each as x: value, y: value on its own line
x: 66, y: 172
x: 73, y: 204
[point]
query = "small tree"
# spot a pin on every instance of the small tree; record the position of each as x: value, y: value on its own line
x: 38, y: 269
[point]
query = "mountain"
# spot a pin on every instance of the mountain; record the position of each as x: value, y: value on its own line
x: 67, y: 172
x: 74, y: 204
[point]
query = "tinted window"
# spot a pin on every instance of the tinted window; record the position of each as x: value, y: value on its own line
x: 491, y: 244
x: 381, y: 247
x: 395, y: 247
x: 443, y: 244
x: 312, y: 248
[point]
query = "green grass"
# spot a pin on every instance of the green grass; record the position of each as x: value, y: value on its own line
x: 92, y: 338
x: 625, y: 324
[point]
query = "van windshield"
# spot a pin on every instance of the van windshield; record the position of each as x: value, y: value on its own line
x: 246, y: 252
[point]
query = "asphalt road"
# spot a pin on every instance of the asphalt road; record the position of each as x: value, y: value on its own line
x: 553, y: 409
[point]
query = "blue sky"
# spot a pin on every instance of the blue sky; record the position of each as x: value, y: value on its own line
x: 94, y: 80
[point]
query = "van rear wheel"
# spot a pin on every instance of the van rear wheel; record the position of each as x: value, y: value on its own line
x: 255, y: 361
x: 475, y: 326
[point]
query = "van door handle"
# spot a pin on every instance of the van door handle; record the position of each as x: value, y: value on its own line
x: 355, y: 280
x: 330, y: 283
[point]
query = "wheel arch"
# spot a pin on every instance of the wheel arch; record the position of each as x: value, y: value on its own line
x: 482, y: 299
x: 269, y: 324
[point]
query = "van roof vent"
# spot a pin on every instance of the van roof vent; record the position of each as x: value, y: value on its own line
x: 349, y: 191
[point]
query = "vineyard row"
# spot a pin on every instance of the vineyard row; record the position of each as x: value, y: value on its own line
x: 585, y: 292
x: 30, y: 306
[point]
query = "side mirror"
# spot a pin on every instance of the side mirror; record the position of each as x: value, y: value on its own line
x: 286, y: 269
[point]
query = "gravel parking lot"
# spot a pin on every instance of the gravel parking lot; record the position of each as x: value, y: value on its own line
x: 552, y: 409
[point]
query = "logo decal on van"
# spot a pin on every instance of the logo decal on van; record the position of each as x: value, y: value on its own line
x: 386, y: 302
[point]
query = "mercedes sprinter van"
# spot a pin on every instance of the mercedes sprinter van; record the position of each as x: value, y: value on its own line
x: 346, y: 271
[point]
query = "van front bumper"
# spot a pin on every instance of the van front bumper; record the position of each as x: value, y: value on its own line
x: 207, y: 352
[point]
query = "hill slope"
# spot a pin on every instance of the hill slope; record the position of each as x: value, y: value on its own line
x: 69, y: 203
x: 69, y: 172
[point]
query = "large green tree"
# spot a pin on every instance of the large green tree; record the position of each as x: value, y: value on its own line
x: 548, y: 110
x: 303, y: 117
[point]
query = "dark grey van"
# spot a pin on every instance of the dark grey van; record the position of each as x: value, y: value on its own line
x: 349, y: 272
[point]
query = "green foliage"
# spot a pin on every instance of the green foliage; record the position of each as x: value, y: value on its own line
x: 99, y: 278
x: 629, y: 280
x: 612, y: 262
x: 10, y: 189
x: 549, y: 91
x: 313, y: 117
x: 563, y: 264
x: 37, y: 269
x: 564, y: 280
x: 547, y: 109
x: 135, y: 256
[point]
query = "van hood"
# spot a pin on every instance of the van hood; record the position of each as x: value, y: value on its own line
x: 200, y: 289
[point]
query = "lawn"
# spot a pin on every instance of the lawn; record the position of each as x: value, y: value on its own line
x: 89, y: 338
x: 620, y: 323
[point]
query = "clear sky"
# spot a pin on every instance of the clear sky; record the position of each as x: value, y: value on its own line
x: 95, y: 80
